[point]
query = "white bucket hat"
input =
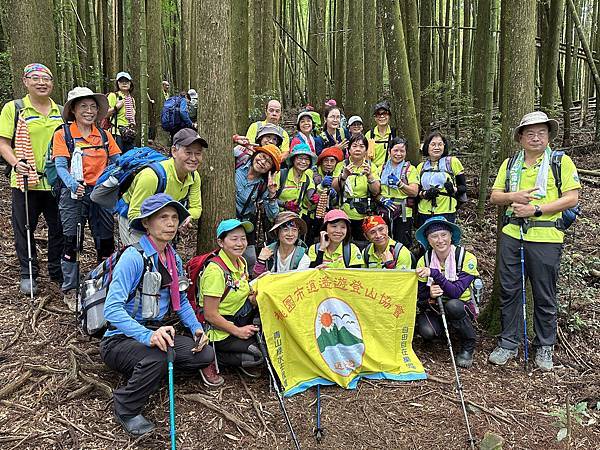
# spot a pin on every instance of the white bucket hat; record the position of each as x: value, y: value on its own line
x: 82, y: 92
x: 534, y: 118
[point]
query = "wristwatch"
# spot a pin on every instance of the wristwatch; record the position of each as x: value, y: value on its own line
x: 538, y: 211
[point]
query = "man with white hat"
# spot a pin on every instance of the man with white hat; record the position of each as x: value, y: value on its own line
x: 537, y: 185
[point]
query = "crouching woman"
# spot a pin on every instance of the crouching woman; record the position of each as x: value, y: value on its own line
x: 447, y: 271
x: 137, y: 340
x: 228, y: 303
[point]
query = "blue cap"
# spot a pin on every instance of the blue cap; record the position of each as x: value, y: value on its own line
x: 154, y: 204
x: 442, y: 223
x: 231, y: 224
x: 123, y: 75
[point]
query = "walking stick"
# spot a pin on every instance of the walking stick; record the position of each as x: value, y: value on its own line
x: 28, y: 229
x: 319, y: 432
x: 459, y: 387
x: 524, y: 295
x: 78, y: 244
x: 263, y: 349
x: 170, y: 359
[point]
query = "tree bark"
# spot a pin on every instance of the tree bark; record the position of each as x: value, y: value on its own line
x: 239, y: 62
x: 480, y: 52
x: 317, y: 73
x: 550, y: 49
x: 143, y: 95
x: 155, y: 73
x: 185, y: 33
x: 426, y: 62
x: 410, y: 17
x: 340, y: 52
x: 567, y: 97
x: 370, y: 55
x: 26, y: 42
x: 110, y: 45
x: 397, y: 58
x: 218, y: 185
x: 96, y: 68
x: 355, y: 74
x: 466, y: 51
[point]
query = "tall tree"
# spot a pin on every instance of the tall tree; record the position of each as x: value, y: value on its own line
x: 95, y: 66
x: 480, y: 52
x: 218, y: 187
x: 185, y: 31
x: 397, y: 59
x: 426, y: 61
x: 466, y: 50
x: 370, y: 55
x: 143, y: 55
x: 517, y: 96
x: 410, y: 18
x: 550, y: 49
x: 355, y: 73
x: 567, y: 97
x: 155, y: 73
x: 317, y: 72
x: 27, y: 44
x: 239, y: 62
x: 109, y: 20
x: 339, y: 67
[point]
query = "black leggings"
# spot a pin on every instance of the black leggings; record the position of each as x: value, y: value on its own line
x: 235, y: 352
x: 429, y: 323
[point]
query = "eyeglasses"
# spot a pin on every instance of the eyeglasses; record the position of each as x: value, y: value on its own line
x: 531, y: 135
x: 91, y: 108
x: 382, y: 114
x: 37, y: 78
x: 303, y: 158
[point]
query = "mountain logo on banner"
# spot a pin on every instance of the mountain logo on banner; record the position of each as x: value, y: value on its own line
x: 339, y: 336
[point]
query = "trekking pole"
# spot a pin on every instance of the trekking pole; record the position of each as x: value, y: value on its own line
x: 263, y: 349
x: 524, y: 294
x: 459, y: 387
x: 78, y: 244
x: 170, y: 359
x: 319, y: 432
x: 28, y: 229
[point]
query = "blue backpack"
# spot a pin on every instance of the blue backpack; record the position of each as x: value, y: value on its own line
x: 170, y: 116
x: 117, y: 177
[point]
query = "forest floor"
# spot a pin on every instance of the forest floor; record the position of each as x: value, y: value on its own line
x: 55, y: 390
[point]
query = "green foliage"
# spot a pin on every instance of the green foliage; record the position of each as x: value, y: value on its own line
x: 577, y: 413
x: 260, y: 100
x: 6, y: 93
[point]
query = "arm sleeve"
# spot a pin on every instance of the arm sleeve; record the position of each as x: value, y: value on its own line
x: 126, y: 277
x: 7, y: 120
x: 457, y: 167
x: 186, y: 313
x: 568, y: 174
x: 259, y: 268
x: 500, y: 182
x: 271, y: 206
x: 195, y: 197
x: 113, y: 148
x: 251, y: 132
x: 62, y: 170
x: 452, y: 289
x: 304, y: 262
x: 144, y: 186
x: 285, y: 145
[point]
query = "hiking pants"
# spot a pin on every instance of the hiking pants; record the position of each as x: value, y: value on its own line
x: 40, y: 202
x: 128, y: 236
x: 429, y: 323
x: 146, y: 367
x: 401, y: 231
x: 235, y: 352
x: 542, y: 260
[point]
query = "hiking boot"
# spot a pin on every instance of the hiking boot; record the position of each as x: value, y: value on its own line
x: 252, y: 372
x: 25, y: 286
x: 210, y: 376
x: 500, y: 355
x: 543, y: 358
x: 70, y: 299
x: 464, y: 359
x: 136, y: 425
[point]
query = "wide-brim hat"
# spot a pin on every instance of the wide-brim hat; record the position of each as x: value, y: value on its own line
x: 421, y: 233
x: 231, y: 224
x: 335, y: 152
x: 272, y: 151
x: 287, y: 216
x: 83, y: 92
x: 301, y: 149
x: 155, y: 203
x: 269, y: 128
x: 534, y: 118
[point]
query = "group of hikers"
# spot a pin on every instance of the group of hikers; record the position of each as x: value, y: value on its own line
x: 332, y: 196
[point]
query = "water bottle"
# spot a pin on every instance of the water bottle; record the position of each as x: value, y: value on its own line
x: 477, y: 290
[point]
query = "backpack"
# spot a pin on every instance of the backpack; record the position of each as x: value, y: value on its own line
x: 194, y: 269
x: 396, y: 251
x: 19, y: 105
x: 117, y: 177
x: 297, y: 256
x: 569, y: 216
x: 346, y: 252
x: 283, y: 174
x: 50, y: 165
x: 94, y: 289
x: 446, y: 168
x: 170, y: 116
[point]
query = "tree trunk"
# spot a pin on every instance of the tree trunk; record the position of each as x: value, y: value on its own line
x: 110, y: 45
x: 143, y: 95
x: 73, y: 24
x: 355, y: 74
x: 466, y: 51
x: 517, y: 96
x: 490, y: 69
x: 257, y: 31
x: 27, y: 44
x: 480, y: 53
x: 380, y: 56
x: 397, y: 58
x: 134, y: 63
x: 268, y: 47
x: 426, y: 62
x: 410, y: 17
x: 550, y: 49
x: 95, y: 69
x: 239, y: 62
x: 185, y: 33
x: 218, y: 185
x: 317, y: 73
x: 155, y: 73
x: 339, y: 66
x: 567, y: 97
x: 370, y: 55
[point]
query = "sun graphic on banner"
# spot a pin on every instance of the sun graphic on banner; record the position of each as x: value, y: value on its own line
x: 326, y: 319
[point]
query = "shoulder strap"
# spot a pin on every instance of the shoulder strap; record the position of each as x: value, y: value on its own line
x: 70, y: 143
x: 346, y: 253
x: 19, y: 105
x: 427, y: 257
x: 459, y: 255
x: 509, y: 166
x: 303, y: 189
x: 249, y: 199
x: 555, y: 164
x: 226, y: 273
x: 161, y: 175
x: 365, y: 253
x: 282, y: 179
x: 397, y: 248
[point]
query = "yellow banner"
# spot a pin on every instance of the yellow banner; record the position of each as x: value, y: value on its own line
x: 338, y: 325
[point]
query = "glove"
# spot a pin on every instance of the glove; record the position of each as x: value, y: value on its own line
x: 327, y: 180
x: 393, y: 180
x: 315, y: 198
x: 449, y: 187
x: 292, y: 205
x: 431, y: 193
x: 386, y: 202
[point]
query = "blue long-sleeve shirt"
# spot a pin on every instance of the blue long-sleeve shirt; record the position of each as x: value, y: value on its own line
x: 127, y: 274
x: 62, y: 170
x: 245, y: 187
